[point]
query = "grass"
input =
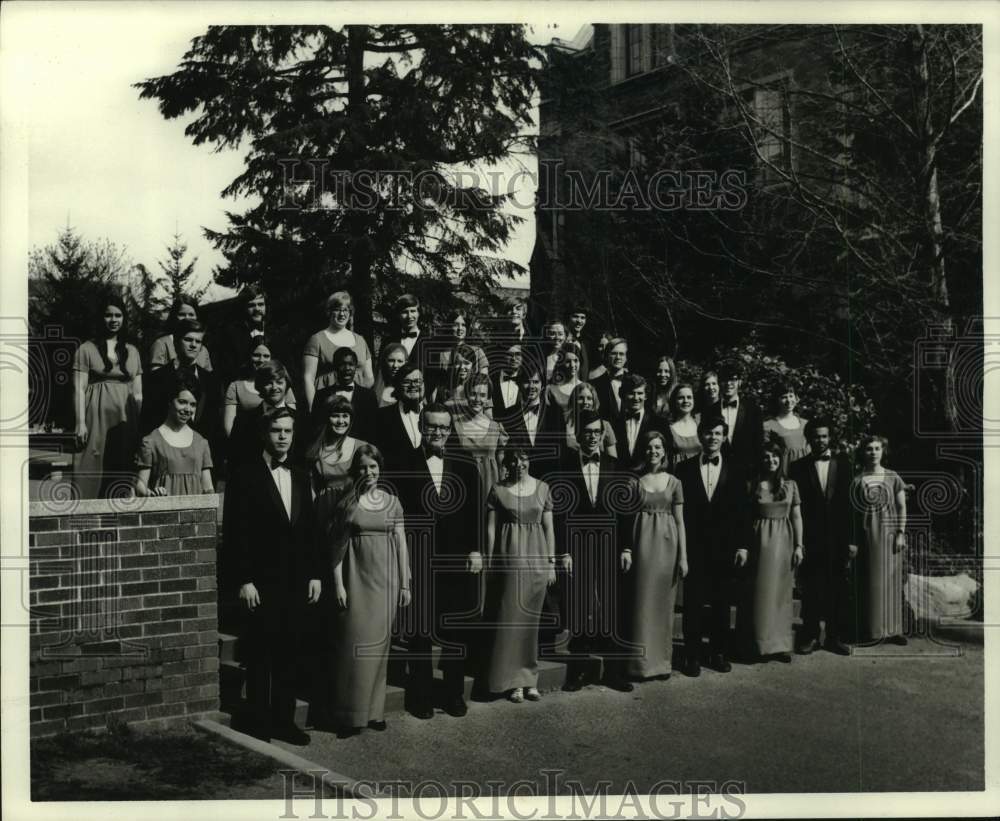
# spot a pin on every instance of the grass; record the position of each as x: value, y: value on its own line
x: 136, y: 765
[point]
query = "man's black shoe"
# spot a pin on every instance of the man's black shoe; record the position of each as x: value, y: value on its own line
x: 692, y: 667
x: 718, y: 663
x: 293, y: 735
x: 807, y: 647
x: 837, y: 646
x: 575, y: 682
x: 456, y: 707
x: 377, y: 726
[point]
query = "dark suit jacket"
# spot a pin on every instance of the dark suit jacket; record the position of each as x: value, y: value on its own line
x: 503, y: 337
x: 391, y: 437
x: 156, y: 388
x: 502, y: 413
x: 715, y: 529
x: 264, y: 546
x: 628, y: 460
x: 825, y: 515
x: 365, y: 405
x: 748, y: 432
x: 444, y: 529
x: 610, y: 409
x: 550, y: 437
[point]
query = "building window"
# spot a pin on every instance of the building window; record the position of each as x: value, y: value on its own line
x: 772, y: 125
x: 663, y: 44
x: 633, y: 50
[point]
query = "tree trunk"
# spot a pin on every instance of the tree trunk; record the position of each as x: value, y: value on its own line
x: 357, y: 220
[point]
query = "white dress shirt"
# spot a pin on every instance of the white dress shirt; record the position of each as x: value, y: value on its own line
x: 509, y: 391
x: 591, y: 478
x: 729, y: 414
x: 531, y: 421
x: 616, y: 386
x: 710, y: 476
x: 632, y: 430
x: 411, y: 424
x: 435, y: 465
x: 282, y: 478
x: 408, y: 342
x: 823, y: 471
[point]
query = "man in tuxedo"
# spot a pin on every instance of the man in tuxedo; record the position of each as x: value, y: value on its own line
x: 824, y: 482
x: 514, y: 330
x: 633, y: 423
x: 397, y: 426
x: 270, y: 536
x: 231, y: 344
x: 576, y: 322
x: 504, y: 387
x: 439, y: 490
x: 588, y: 534
x: 363, y: 401
x: 717, y: 520
x: 534, y: 425
x: 158, y: 385
x: 742, y: 416
x: 608, y: 385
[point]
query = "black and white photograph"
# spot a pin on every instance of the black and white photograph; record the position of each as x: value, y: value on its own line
x: 422, y: 410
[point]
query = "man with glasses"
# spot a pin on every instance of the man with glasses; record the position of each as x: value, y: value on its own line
x: 397, y: 427
x: 439, y: 490
x: 608, y: 385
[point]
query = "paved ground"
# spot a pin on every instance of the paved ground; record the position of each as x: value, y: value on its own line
x: 905, y: 719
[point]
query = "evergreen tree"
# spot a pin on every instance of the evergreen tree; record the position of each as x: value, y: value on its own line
x: 179, y: 273
x: 319, y: 104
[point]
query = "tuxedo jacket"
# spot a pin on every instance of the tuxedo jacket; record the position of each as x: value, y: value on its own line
x: 629, y: 460
x: 425, y: 355
x: 264, y: 545
x: 747, y: 433
x: 715, y: 528
x: 550, y: 437
x: 500, y: 339
x: 156, y: 389
x: 365, y: 406
x: 502, y: 412
x: 826, y: 515
x: 610, y: 409
x: 391, y: 436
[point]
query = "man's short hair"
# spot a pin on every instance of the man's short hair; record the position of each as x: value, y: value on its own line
x: 186, y: 327
x: 341, y: 354
x: 434, y: 407
x: 818, y: 422
x: 710, y: 422
x: 586, y: 418
x: 271, y: 416
x: 405, y: 301
x: 631, y: 383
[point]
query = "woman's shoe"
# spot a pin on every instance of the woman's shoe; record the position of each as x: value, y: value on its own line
x: 516, y: 695
x: 532, y: 694
x: 900, y: 640
x: 784, y: 658
x: 377, y: 726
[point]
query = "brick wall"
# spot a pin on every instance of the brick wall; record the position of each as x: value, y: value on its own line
x: 123, y: 612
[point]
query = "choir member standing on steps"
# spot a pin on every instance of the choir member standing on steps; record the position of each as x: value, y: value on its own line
x: 608, y: 385
x: 588, y: 541
x: 633, y: 423
x: 824, y: 482
x: 318, y: 366
x: 535, y: 426
x: 398, y: 426
x: 654, y: 560
x: 662, y: 387
x: 787, y: 424
x: 565, y: 377
x: 270, y: 533
x: 233, y: 342
x: 505, y: 392
x: 576, y: 324
x: 776, y: 552
x: 742, y: 416
x: 107, y: 399
x: 456, y: 333
x: 363, y: 401
x: 717, y: 525
x: 439, y: 490
x: 162, y: 351
x: 391, y: 358
x: 683, y: 424
x: 552, y: 341
x: 584, y: 398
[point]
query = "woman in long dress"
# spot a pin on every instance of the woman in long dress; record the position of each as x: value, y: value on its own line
x: 107, y: 394
x: 777, y: 551
x: 565, y: 378
x: 584, y: 397
x: 664, y: 381
x: 391, y: 358
x: 331, y: 452
x: 878, y: 503
x: 175, y: 460
x: 787, y: 424
x: 683, y: 424
x: 653, y: 561
x: 162, y: 351
x: 480, y: 436
x: 371, y: 579
x: 520, y: 544
x: 317, y: 357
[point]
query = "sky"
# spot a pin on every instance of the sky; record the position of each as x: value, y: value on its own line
x: 107, y: 163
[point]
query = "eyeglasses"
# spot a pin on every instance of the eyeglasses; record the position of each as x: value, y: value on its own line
x: 437, y: 428
x: 412, y: 383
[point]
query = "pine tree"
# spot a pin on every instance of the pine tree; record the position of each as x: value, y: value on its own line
x: 179, y: 273
x: 314, y: 102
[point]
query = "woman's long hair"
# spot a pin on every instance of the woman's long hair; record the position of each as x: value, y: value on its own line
x: 327, y: 404
x: 773, y: 444
x: 101, y: 336
x: 648, y: 437
x: 247, y: 370
x: 337, y: 532
x: 674, y: 412
x: 669, y: 390
x: 382, y: 378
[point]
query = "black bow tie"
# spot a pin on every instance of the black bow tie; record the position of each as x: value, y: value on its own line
x: 429, y: 452
x: 348, y: 388
x: 532, y: 409
x: 410, y: 335
x: 824, y: 458
x: 732, y: 403
x: 593, y: 459
x: 710, y: 460
x: 634, y: 416
x: 279, y: 463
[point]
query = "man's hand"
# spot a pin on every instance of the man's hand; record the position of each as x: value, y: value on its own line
x: 852, y: 551
x: 475, y: 562
x: 742, y: 556
x: 626, y: 561
x: 249, y: 594
x: 315, y: 588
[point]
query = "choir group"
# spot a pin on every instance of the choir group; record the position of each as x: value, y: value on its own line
x: 474, y: 494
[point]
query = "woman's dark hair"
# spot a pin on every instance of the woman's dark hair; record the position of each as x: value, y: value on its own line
x: 272, y: 370
x: 780, y: 388
x: 247, y: 371
x: 673, y: 376
x: 175, y: 309
x: 101, y: 335
x: 327, y: 403
x: 182, y: 329
x: 863, y: 443
x: 250, y: 293
x: 674, y: 413
x: 184, y: 382
x: 643, y: 443
x: 774, y: 445
x: 567, y: 348
x: 510, y: 455
x: 477, y: 379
